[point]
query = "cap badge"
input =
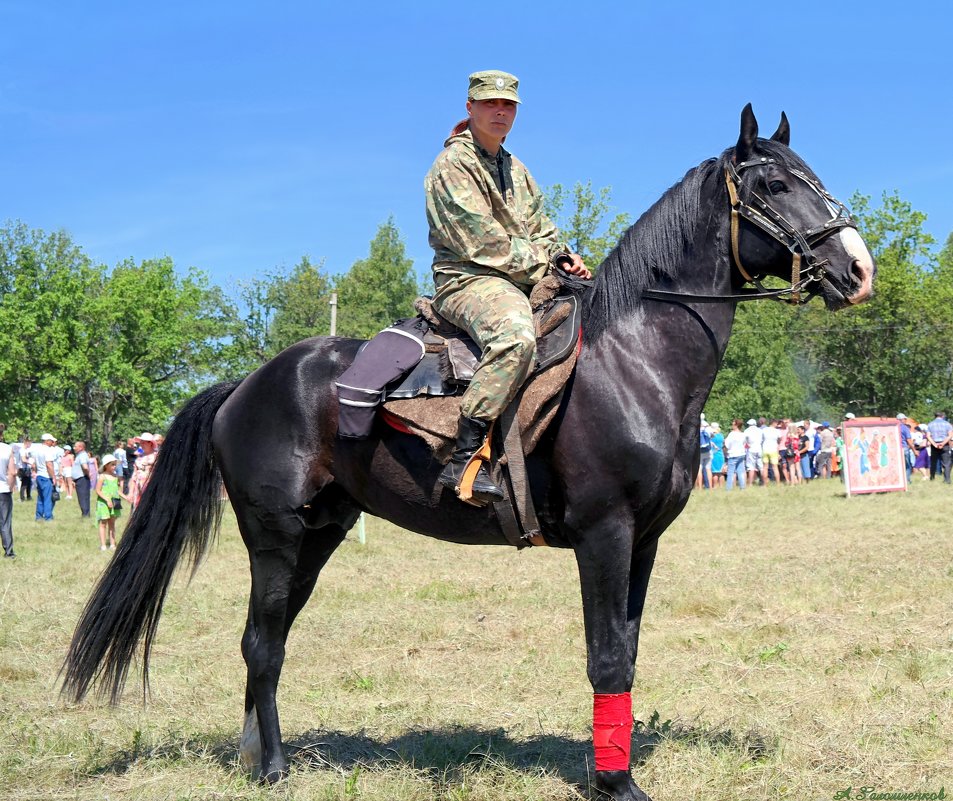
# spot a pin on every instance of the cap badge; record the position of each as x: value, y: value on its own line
x: 499, y: 83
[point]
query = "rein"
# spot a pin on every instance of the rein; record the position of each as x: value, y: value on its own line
x: 761, y: 214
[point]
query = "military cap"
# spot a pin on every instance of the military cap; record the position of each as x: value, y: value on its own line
x: 490, y: 84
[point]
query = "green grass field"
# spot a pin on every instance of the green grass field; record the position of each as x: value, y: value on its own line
x: 796, y: 643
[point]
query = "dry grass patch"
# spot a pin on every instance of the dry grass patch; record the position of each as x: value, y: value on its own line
x: 795, y: 643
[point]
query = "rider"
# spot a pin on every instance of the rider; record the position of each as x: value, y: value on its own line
x: 492, y: 243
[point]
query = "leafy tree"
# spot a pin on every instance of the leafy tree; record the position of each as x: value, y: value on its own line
x: 880, y: 357
x: 301, y: 304
x: 45, y: 331
x: 939, y: 301
x: 247, y: 346
x: 158, y: 337
x: 584, y: 225
x: 379, y: 289
x: 88, y: 349
x: 758, y: 375
x: 273, y: 312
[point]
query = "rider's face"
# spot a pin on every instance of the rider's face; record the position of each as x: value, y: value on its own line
x: 491, y: 120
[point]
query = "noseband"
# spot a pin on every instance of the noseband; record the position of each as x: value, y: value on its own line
x: 807, y: 268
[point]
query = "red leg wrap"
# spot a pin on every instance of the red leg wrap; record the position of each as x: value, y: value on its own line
x: 612, y: 730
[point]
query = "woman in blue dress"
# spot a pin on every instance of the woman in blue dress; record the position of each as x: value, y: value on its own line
x: 717, y: 455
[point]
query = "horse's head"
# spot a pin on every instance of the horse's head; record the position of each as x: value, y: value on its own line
x: 785, y: 223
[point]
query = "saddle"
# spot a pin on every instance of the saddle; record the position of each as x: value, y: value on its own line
x: 417, y: 369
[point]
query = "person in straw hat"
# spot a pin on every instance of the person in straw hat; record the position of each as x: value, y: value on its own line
x: 108, y: 501
x: 143, y: 468
x: 492, y: 243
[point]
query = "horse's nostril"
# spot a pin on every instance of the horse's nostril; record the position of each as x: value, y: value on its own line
x: 858, y: 271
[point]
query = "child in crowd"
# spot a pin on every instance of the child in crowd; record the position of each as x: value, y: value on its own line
x: 66, y: 467
x: 108, y: 503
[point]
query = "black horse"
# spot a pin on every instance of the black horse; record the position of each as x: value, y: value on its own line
x: 613, y: 471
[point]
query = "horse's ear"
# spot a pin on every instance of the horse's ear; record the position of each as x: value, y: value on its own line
x: 748, y: 136
x: 783, y: 134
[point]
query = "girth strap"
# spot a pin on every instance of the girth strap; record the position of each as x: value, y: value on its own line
x: 521, y: 528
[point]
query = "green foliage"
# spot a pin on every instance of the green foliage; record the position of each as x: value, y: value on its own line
x: 157, y: 340
x: 90, y: 353
x: 274, y: 312
x: 46, y: 333
x: 583, y: 226
x: 758, y: 375
x: 882, y: 357
x: 301, y: 303
x: 377, y: 290
x: 281, y: 308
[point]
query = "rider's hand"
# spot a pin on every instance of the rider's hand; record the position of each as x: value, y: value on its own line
x: 575, y: 267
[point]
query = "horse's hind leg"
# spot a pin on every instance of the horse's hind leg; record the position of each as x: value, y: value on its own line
x: 283, y: 577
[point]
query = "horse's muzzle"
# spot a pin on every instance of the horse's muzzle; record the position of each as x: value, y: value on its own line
x: 862, y: 277
x: 862, y: 268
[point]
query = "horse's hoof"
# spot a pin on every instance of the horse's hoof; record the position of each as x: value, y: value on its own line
x: 274, y: 775
x: 618, y: 785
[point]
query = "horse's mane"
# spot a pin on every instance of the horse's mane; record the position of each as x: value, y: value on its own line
x: 658, y: 242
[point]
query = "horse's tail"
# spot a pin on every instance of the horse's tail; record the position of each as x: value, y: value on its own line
x: 179, y: 510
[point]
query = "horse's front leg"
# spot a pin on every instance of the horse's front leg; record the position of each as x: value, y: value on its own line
x: 614, y: 581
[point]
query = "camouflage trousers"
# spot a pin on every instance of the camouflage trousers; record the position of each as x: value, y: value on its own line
x: 497, y: 316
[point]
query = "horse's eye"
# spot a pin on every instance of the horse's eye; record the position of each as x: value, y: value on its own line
x: 776, y: 187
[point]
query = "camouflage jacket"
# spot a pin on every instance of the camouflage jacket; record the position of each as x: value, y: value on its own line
x: 477, y: 228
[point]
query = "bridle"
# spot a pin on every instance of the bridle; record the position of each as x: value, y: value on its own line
x: 807, y: 268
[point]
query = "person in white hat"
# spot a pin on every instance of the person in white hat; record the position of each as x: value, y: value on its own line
x: 754, y: 464
x: 108, y: 501
x: 44, y: 457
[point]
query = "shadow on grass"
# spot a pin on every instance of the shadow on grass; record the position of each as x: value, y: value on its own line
x: 444, y: 754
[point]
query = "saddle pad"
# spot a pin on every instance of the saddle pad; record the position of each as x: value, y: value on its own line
x: 388, y: 356
x: 449, y: 372
x: 435, y: 419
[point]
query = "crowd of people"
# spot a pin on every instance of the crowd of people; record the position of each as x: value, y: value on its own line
x: 52, y: 473
x: 791, y: 452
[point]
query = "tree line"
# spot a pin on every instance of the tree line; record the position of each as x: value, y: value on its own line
x: 93, y: 352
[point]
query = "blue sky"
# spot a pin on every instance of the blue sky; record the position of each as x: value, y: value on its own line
x: 236, y: 137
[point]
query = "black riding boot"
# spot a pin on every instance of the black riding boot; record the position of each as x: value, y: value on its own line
x: 471, y: 434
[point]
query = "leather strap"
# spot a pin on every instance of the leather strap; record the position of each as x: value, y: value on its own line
x: 506, y: 514
x: 795, y: 277
x: 735, y: 247
x: 520, y: 498
x: 735, y: 243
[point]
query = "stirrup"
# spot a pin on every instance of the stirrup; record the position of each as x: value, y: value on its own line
x: 465, y: 488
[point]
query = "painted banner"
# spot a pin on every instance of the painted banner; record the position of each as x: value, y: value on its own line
x: 874, y: 455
